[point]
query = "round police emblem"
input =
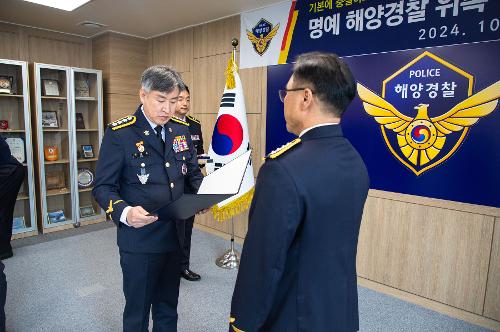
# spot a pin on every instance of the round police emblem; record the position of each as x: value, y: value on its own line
x: 184, y: 169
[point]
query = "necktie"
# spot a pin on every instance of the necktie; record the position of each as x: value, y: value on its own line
x: 158, y: 134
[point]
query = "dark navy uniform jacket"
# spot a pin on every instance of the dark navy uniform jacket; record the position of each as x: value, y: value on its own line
x: 298, y: 265
x: 196, y: 135
x: 117, y: 183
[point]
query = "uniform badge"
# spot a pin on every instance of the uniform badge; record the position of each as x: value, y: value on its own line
x: 180, y: 144
x: 140, y: 146
x: 195, y: 137
x: 169, y: 129
x: 184, y: 169
x: 143, y: 177
x: 146, y: 132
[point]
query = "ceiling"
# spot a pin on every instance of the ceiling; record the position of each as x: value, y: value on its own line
x: 140, y: 18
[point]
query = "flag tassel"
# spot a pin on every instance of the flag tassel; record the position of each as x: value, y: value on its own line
x: 231, y: 68
x: 233, y: 208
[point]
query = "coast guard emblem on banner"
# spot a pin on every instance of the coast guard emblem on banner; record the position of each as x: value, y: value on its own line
x: 426, y: 110
x: 261, y: 35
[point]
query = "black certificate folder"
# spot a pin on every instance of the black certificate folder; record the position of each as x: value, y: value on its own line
x: 216, y: 187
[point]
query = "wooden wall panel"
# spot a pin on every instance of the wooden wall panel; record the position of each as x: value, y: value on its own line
x: 10, y: 42
x: 128, y: 59
x: 174, y: 49
x: 117, y: 106
x: 436, y: 253
x: 208, y: 84
x: 101, y: 58
x: 492, y: 303
x: 35, y: 45
x: 252, y: 80
x: 215, y: 38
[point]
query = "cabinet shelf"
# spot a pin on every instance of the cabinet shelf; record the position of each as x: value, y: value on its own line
x: 83, y: 160
x: 67, y: 138
x: 57, y: 192
x: 16, y: 110
x: 86, y: 98
x: 53, y: 98
x: 12, y: 130
x: 5, y: 95
x: 21, y: 197
x: 54, y: 130
x: 60, y: 161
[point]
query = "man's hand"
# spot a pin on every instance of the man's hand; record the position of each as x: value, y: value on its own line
x: 138, y: 217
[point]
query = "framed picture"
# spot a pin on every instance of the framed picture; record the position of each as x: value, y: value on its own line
x: 80, y: 124
x: 16, y: 145
x: 82, y: 88
x: 6, y: 83
x: 88, y: 151
x: 50, y: 88
x: 56, y: 216
x: 86, y: 211
x: 85, y: 178
x: 54, y: 180
x: 49, y: 119
x: 18, y: 223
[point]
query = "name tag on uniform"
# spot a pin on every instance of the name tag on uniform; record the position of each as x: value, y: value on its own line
x: 180, y: 144
x: 195, y: 137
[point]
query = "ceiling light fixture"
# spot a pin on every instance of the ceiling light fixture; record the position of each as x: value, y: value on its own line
x: 67, y: 5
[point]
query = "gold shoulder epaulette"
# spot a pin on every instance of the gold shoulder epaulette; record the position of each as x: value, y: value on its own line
x: 122, y: 123
x: 179, y: 121
x: 284, y: 148
x: 192, y: 118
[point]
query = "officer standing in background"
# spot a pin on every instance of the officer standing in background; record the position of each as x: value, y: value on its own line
x: 11, y: 178
x: 185, y: 227
x: 12, y: 174
x: 298, y: 265
x: 144, y: 163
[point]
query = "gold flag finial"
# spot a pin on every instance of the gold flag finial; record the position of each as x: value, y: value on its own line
x: 231, y: 67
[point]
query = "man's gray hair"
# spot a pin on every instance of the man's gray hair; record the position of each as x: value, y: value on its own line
x: 161, y: 78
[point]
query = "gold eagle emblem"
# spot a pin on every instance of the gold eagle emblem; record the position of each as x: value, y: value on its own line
x: 261, y: 43
x: 421, y: 138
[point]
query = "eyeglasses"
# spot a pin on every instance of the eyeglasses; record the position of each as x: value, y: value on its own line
x: 283, y: 93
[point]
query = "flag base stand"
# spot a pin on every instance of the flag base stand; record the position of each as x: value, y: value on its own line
x: 231, y: 258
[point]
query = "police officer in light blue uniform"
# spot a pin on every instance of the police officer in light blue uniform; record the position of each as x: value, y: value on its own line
x: 144, y: 162
x: 298, y: 264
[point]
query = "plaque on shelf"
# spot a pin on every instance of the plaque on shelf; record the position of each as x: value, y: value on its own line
x: 82, y: 88
x: 6, y: 84
x: 54, y: 180
x: 86, y: 211
x: 85, y: 178
x: 4, y: 124
x: 16, y: 146
x: 51, y: 153
x: 80, y: 124
x: 56, y: 216
x: 49, y: 119
x: 87, y: 151
x: 18, y: 223
x: 50, y: 88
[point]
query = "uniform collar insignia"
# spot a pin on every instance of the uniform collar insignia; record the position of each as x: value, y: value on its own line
x: 175, y: 119
x: 282, y: 149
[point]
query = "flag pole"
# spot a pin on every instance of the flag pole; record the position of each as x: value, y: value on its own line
x: 231, y: 258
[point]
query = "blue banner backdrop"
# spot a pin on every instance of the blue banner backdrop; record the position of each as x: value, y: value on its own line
x: 356, y: 27
x: 471, y: 172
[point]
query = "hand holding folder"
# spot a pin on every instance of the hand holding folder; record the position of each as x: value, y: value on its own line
x: 215, y: 187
